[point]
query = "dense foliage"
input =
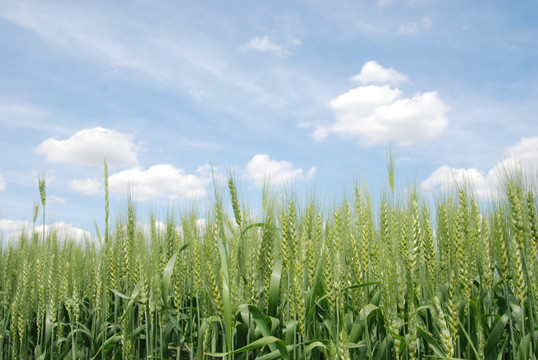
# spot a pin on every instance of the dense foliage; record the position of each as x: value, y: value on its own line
x: 400, y: 280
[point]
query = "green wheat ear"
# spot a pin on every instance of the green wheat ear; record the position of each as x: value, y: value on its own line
x: 42, y: 190
x: 235, y: 201
x: 43, y: 195
x: 390, y: 169
x: 36, y: 211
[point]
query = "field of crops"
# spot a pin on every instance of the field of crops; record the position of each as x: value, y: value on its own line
x: 403, y: 279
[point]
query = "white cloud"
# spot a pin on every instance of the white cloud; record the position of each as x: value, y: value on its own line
x: 525, y: 151
x: 12, y: 113
x: 414, y: 28
x: 521, y: 158
x: 91, y: 147
x: 55, y: 199
x: 263, y: 44
x: 383, y: 3
x: 447, y: 178
x: 2, y: 183
x: 159, y: 181
x: 12, y: 229
x: 261, y: 169
x: 378, y: 114
x: 372, y: 72
x: 28, y: 116
x: 408, y: 29
x: 426, y: 23
x: 86, y: 186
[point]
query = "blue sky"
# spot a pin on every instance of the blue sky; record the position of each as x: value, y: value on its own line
x: 308, y: 93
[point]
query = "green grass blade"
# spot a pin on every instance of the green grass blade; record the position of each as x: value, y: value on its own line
x: 167, y: 275
x: 226, y: 298
x: 274, y: 288
x: 496, y: 334
x: 264, y: 329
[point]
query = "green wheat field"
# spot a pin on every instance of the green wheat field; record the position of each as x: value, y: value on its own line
x: 392, y: 277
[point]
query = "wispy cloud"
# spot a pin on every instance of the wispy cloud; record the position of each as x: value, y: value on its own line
x: 28, y: 116
x: 414, y: 28
x: 2, y: 183
x: 91, y: 147
x: 379, y: 114
x: 261, y: 168
x: 427, y: 23
x: 189, y: 64
x: 408, y: 29
x: 383, y: 3
x: 263, y: 44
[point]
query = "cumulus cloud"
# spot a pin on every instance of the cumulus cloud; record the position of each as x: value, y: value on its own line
x: 526, y: 151
x: 379, y: 114
x: 13, y: 229
x: 159, y: 181
x: 263, y: 44
x: 447, y: 178
x: 90, y: 147
x: 521, y: 159
x: 86, y: 186
x: 2, y: 183
x: 262, y: 169
x: 372, y: 72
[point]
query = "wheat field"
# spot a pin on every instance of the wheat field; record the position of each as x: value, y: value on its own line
x: 398, y: 277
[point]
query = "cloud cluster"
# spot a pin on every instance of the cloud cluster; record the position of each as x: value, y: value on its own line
x: 520, y: 159
x: 159, y: 181
x: 90, y: 147
x: 12, y: 230
x: 262, y: 169
x: 447, y: 179
x: 379, y: 114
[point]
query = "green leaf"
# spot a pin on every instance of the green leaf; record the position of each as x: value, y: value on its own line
x: 310, y: 301
x: 167, y: 275
x: 250, y: 227
x: 274, y: 288
x: 291, y: 329
x: 266, y: 340
x: 382, y: 352
x: 226, y: 299
x: 264, y: 329
x: 132, y: 300
x: 495, y: 335
x: 431, y: 342
x: 369, y: 283
x: 108, y: 344
x: 315, y: 344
